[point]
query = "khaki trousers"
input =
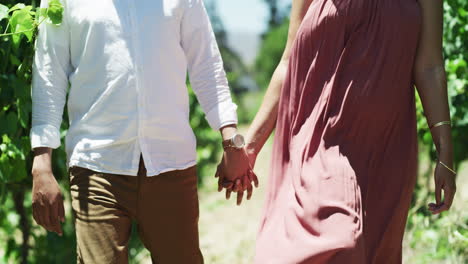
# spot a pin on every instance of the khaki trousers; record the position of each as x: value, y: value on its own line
x: 165, y: 208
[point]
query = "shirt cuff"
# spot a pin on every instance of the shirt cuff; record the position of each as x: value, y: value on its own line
x: 45, y: 136
x: 222, y: 115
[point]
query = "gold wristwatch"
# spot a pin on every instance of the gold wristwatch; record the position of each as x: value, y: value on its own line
x: 236, y: 142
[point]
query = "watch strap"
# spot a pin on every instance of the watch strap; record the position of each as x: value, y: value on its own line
x: 229, y: 143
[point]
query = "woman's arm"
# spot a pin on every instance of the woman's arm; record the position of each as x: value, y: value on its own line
x: 265, y: 120
x: 431, y: 83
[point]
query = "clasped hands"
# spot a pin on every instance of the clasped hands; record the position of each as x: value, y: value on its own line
x: 235, y: 173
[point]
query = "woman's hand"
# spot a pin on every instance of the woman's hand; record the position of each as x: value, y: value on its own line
x: 444, y: 179
x: 235, y: 174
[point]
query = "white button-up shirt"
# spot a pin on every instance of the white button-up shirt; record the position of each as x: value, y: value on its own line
x: 126, y: 63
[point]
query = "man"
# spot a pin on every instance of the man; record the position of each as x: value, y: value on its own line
x: 131, y: 151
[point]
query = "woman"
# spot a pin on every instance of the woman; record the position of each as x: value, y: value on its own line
x: 345, y: 153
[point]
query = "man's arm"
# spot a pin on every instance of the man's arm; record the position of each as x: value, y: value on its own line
x: 49, y: 86
x: 47, y: 200
x: 209, y: 82
x: 205, y: 66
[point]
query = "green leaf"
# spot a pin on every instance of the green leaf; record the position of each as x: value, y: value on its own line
x: 3, y: 12
x: 19, y: 173
x: 40, y: 13
x: 55, y: 12
x: 22, y: 21
x: 24, y: 107
x: 5, y: 140
x: 17, y: 7
x: 22, y: 88
x: 12, y: 149
x: 11, y: 124
x: 462, y: 12
x: 14, y: 60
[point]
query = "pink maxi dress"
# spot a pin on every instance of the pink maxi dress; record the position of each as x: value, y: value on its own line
x: 345, y: 154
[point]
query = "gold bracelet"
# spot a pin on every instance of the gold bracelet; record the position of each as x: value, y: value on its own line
x: 448, y: 168
x: 440, y: 124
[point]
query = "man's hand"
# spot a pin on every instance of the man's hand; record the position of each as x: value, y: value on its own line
x: 236, y: 175
x: 47, y: 200
x: 235, y: 171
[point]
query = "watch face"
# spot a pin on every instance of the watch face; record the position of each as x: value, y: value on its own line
x: 238, y: 141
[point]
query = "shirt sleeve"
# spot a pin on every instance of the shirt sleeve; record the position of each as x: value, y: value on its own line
x: 51, y: 68
x: 205, y: 66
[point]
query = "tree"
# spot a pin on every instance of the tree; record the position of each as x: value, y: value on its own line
x: 270, y: 53
x: 233, y: 63
x: 275, y: 16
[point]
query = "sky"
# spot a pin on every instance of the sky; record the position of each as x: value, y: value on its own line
x: 245, y: 21
x: 246, y: 16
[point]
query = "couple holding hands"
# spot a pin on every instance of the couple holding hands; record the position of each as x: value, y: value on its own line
x: 341, y: 102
